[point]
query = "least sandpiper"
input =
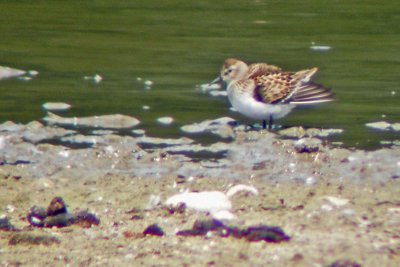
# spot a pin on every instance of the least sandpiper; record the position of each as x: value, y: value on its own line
x: 264, y: 92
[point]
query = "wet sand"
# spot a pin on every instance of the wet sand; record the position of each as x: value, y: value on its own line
x: 334, y: 203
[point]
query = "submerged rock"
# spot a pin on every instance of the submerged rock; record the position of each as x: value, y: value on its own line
x: 116, y: 121
x: 380, y: 125
x: 165, y: 120
x: 7, y: 72
x: 384, y: 126
x: 56, y: 106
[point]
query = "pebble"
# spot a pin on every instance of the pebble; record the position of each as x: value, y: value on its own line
x: 153, y: 230
x: 165, y: 120
x: 380, y: 125
x: 308, y: 145
x: 321, y: 48
x: 336, y: 201
x: 56, y: 106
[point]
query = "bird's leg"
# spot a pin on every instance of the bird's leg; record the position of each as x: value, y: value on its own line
x: 270, y: 122
x: 264, y: 124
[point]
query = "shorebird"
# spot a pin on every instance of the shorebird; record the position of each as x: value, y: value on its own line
x: 264, y: 92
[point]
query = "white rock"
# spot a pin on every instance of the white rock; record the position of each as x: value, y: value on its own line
x: 165, y: 120
x: 380, y: 125
x: 207, y: 201
x: 115, y: 121
x: 56, y: 106
x: 33, y: 72
x: 396, y: 126
x: 97, y: 78
x: 6, y: 72
x: 25, y: 78
x: 148, y: 83
x: 321, y: 48
x: 336, y: 201
x: 139, y: 132
x: 164, y: 141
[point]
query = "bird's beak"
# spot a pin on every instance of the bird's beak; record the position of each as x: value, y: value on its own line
x: 216, y: 80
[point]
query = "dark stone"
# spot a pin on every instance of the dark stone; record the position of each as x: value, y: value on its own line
x: 153, y: 229
x: 254, y: 233
x: 202, y: 227
x: 86, y: 219
x: 267, y: 233
x: 344, y: 263
x: 5, y: 225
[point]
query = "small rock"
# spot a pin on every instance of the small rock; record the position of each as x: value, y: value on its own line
x: 153, y: 229
x: 86, y: 219
x: 202, y: 227
x: 396, y: 126
x: 165, y: 120
x: 344, y: 263
x: 54, y: 106
x: 5, y: 225
x: 320, y: 48
x: 307, y: 145
x: 266, y: 233
x: 380, y: 125
x: 293, y: 132
x: 336, y: 201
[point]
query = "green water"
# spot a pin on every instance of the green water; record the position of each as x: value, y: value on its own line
x: 181, y: 44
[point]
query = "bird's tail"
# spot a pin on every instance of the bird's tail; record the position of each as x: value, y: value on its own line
x: 308, y: 92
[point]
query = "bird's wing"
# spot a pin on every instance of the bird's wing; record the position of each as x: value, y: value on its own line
x: 287, y: 87
x: 258, y: 69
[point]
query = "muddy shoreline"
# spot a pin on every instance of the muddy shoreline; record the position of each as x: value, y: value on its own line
x: 334, y: 203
